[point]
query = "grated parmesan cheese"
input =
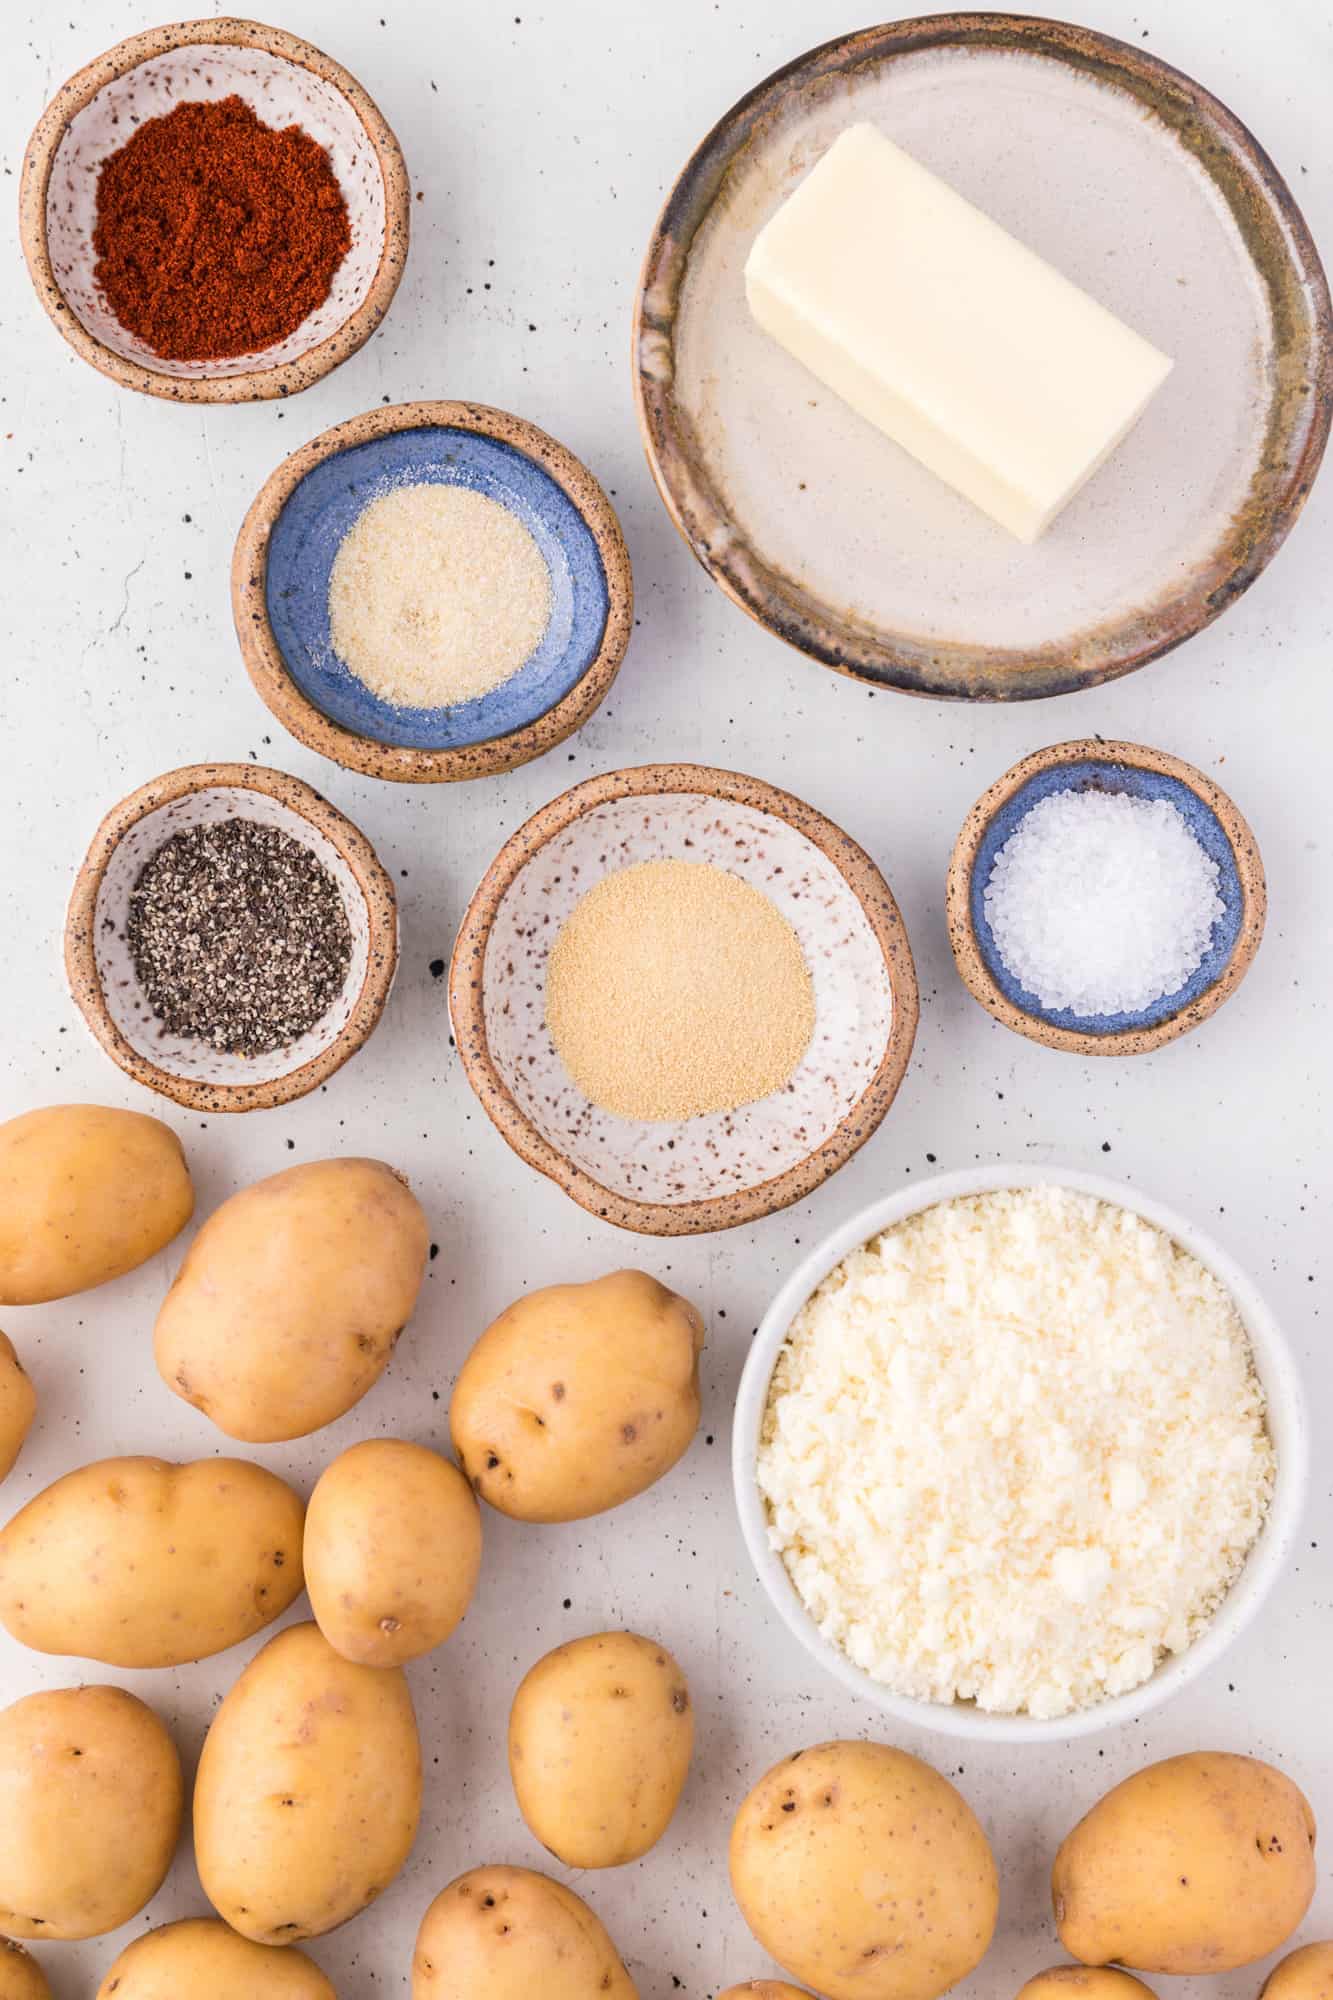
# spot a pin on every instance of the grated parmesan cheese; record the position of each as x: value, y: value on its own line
x: 1015, y: 1452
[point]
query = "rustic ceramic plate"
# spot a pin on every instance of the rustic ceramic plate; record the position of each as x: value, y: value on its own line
x: 285, y: 81
x: 1128, y: 177
x: 710, y: 1172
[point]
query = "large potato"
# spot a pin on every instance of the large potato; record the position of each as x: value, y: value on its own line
x: 143, y: 1564
x: 1306, y: 1974
x: 392, y: 1550
x: 86, y: 1194
x: 579, y: 1397
x: 600, y: 1735
x: 1085, y: 1982
x: 91, y: 1797
x: 201, y: 1959
x: 864, y: 1873
x: 18, y: 1407
x: 1198, y: 1864
x: 21, y: 1978
x: 309, y: 1790
x: 510, y: 1934
x: 293, y: 1293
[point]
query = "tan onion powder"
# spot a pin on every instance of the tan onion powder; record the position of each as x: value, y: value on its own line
x: 676, y: 989
x: 438, y: 594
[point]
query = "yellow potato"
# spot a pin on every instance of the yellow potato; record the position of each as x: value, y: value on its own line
x: 309, y: 1790
x: 763, y: 1989
x: 143, y: 1564
x: 289, y: 1302
x: 1201, y: 1863
x: 91, y: 1797
x: 392, y: 1551
x: 201, y: 1959
x: 21, y: 1978
x: 86, y: 1194
x: 18, y: 1407
x: 600, y: 1735
x: 864, y: 1873
x: 510, y: 1934
x: 578, y: 1397
x: 1085, y: 1982
x: 1306, y: 1974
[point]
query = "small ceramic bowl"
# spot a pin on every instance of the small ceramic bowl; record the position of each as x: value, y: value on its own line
x: 1131, y: 768
x: 101, y: 973
x: 285, y: 554
x: 710, y: 1172
x: 285, y: 81
x: 1287, y: 1427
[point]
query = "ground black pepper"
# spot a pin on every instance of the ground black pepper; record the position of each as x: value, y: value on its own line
x: 238, y: 935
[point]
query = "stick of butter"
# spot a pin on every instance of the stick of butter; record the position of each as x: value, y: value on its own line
x: 968, y: 349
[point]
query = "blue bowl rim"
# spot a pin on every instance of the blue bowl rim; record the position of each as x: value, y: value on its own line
x: 1136, y: 1035
x: 307, y: 723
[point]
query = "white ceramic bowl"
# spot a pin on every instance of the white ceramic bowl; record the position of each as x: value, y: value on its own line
x: 1286, y: 1424
x: 284, y: 81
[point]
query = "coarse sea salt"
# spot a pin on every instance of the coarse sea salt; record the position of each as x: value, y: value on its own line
x: 1102, y: 903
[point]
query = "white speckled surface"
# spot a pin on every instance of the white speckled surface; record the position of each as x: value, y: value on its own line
x: 279, y: 92
x: 541, y: 148
x: 704, y: 1157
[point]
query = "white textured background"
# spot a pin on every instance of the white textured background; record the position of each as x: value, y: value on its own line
x: 540, y: 148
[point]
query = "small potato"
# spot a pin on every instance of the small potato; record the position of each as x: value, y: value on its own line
x: 578, y: 1397
x: 86, y: 1194
x: 864, y: 1873
x: 1306, y: 1974
x: 1201, y: 1863
x: 201, y: 1959
x: 1085, y: 1982
x: 91, y: 1797
x: 600, y: 1735
x: 510, y: 1934
x: 18, y: 1407
x: 293, y: 1293
x: 763, y: 1989
x: 142, y: 1564
x: 309, y: 1790
x: 21, y: 1978
x: 392, y: 1551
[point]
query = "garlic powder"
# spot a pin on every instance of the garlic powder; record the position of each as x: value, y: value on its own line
x: 1015, y: 1452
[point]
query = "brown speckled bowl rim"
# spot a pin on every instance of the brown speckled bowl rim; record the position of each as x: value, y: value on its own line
x: 970, y: 960
x: 1285, y: 259
x: 309, y: 724
x: 371, y: 878
x: 468, y: 1015
x: 255, y: 384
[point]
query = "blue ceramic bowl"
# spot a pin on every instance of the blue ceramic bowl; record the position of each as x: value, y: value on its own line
x: 320, y: 513
x: 1138, y: 772
x: 290, y: 540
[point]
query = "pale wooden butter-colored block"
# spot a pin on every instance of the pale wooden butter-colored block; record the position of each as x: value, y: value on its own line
x: 964, y: 346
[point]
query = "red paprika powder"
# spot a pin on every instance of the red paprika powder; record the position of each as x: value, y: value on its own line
x: 216, y: 234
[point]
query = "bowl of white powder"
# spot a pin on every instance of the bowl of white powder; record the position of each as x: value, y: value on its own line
x: 1018, y: 1453
x: 1104, y: 898
x: 432, y: 591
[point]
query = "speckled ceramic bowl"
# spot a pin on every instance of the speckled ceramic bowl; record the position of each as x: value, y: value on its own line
x: 1142, y: 188
x: 1131, y: 768
x: 291, y: 536
x: 285, y: 81
x: 101, y: 973
x: 710, y: 1172
x: 1288, y: 1427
